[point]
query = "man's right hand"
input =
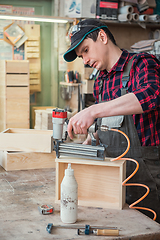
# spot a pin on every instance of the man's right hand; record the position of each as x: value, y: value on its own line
x: 88, y: 139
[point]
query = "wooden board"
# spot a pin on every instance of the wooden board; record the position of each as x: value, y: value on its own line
x: 28, y: 140
x: 32, y: 53
x: 99, y: 182
x: 23, y: 161
x: 17, y: 80
x: 17, y: 66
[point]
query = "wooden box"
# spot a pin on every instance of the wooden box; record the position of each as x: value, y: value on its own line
x: 99, y: 182
x: 26, y: 160
x: 28, y: 140
x: 14, y: 94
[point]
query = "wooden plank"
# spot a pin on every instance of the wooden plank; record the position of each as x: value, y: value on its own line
x: 17, y: 125
x: 16, y: 116
x: 17, y: 92
x: 28, y: 140
x: 17, y: 66
x: 23, y: 161
x: 34, y: 75
x: 32, y: 49
x: 14, y: 104
x: 34, y: 81
x: 32, y: 43
x: 17, y: 80
x: 99, y: 182
x: 2, y: 95
x: 32, y: 53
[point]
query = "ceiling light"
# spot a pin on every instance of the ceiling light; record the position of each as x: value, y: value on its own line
x: 36, y: 18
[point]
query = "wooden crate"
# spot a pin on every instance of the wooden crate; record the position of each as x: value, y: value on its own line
x: 28, y: 140
x: 26, y: 160
x: 14, y: 94
x: 99, y: 182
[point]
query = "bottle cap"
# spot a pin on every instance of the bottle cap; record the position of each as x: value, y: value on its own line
x: 69, y: 171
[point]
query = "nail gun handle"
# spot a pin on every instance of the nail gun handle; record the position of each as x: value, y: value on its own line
x: 107, y: 232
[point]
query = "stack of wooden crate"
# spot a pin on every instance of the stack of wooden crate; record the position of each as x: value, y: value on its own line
x: 14, y: 94
x: 23, y: 149
x: 43, y: 118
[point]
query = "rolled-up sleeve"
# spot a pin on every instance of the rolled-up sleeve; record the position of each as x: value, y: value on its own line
x: 147, y: 83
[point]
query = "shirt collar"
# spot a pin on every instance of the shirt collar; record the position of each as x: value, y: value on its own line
x: 120, y: 64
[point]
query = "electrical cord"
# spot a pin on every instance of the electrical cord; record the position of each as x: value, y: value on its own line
x: 124, y: 183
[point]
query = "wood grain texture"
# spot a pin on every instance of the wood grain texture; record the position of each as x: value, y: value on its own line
x: 26, y: 190
x: 28, y: 140
x: 23, y: 161
x: 99, y: 182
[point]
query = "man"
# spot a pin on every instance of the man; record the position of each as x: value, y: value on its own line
x: 92, y: 41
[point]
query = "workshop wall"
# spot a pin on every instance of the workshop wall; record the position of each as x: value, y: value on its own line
x: 42, y: 7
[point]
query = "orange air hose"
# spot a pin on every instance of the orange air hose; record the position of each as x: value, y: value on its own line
x: 124, y: 183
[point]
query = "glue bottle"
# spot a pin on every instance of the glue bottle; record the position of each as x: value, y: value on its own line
x: 69, y: 197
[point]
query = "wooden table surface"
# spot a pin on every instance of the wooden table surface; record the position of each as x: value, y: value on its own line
x: 21, y: 192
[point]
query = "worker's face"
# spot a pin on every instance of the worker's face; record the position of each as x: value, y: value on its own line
x: 94, y: 53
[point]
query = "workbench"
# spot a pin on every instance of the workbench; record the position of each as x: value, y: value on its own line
x: 21, y: 192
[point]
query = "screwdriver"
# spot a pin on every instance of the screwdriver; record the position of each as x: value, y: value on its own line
x: 99, y: 231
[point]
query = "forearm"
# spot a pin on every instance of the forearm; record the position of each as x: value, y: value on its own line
x: 127, y: 104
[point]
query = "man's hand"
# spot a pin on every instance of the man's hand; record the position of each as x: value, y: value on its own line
x: 127, y: 104
x: 88, y: 140
x: 80, y: 122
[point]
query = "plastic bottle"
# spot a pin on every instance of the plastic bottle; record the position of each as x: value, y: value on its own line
x: 69, y: 197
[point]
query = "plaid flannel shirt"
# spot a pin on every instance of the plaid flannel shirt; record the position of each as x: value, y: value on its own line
x: 144, y: 82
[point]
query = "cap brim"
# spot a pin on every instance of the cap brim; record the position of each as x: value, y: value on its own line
x: 71, y: 55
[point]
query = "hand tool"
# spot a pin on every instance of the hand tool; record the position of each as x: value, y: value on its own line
x: 59, y: 119
x: 87, y: 229
x: 46, y: 209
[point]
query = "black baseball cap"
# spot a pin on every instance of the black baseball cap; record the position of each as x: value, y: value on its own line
x: 78, y: 33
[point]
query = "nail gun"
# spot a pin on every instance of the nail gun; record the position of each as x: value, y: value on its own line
x: 60, y: 122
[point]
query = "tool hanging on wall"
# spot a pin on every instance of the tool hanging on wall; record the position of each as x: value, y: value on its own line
x: 87, y: 229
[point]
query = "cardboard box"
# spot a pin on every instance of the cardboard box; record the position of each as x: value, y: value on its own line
x: 80, y: 8
x: 107, y: 9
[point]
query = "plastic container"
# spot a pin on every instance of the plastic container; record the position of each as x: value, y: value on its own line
x: 69, y: 197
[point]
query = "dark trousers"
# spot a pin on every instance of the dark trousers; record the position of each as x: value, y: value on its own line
x: 149, y: 165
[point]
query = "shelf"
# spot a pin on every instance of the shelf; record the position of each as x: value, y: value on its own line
x: 70, y: 84
x: 134, y: 24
